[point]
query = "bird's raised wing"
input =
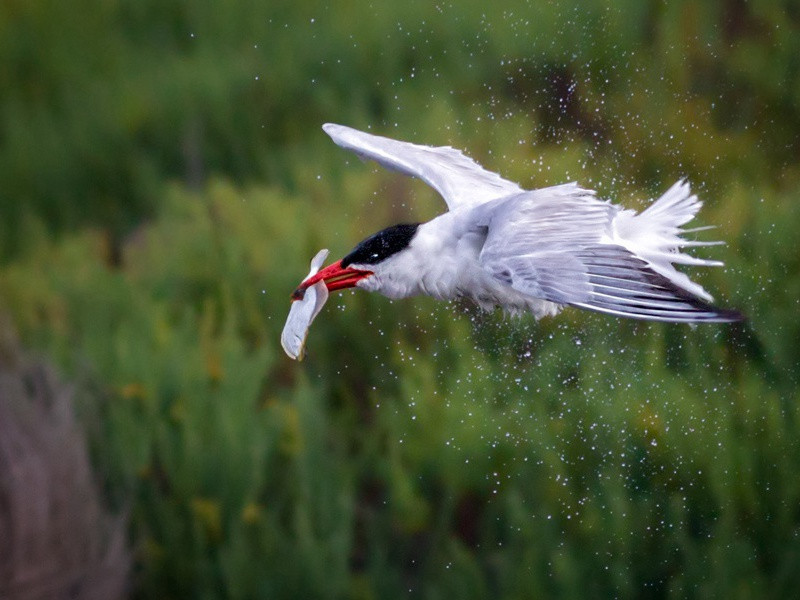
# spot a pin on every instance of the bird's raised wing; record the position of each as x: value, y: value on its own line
x: 459, y: 179
x: 563, y: 244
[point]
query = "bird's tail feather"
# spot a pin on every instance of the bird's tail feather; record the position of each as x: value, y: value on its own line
x: 655, y: 235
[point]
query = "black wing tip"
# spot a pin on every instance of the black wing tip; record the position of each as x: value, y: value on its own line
x: 712, y: 314
x: 729, y: 315
x: 705, y: 311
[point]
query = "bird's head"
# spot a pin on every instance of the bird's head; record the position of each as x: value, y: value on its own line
x: 363, y: 262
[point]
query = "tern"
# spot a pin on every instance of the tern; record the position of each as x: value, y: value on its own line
x: 527, y: 251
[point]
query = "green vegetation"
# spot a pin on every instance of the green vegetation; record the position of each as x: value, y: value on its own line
x: 164, y: 182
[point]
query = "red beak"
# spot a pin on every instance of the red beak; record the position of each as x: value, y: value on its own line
x: 335, y: 278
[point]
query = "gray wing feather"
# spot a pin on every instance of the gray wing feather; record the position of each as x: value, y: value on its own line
x: 459, y: 179
x: 563, y: 252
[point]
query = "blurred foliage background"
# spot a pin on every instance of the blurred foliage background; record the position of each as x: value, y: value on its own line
x: 164, y: 181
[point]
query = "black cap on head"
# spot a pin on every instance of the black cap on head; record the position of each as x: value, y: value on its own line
x: 382, y: 245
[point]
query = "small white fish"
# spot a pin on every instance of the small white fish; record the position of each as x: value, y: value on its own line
x: 303, y: 311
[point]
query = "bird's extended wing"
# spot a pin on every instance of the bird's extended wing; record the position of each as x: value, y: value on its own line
x: 562, y: 244
x: 459, y: 179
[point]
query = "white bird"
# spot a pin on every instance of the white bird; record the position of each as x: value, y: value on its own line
x: 525, y: 251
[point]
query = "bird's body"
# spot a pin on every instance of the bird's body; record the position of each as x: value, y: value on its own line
x: 456, y: 240
x: 525, y: 251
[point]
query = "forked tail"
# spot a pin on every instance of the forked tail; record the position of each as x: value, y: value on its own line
x: 655, y: 235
